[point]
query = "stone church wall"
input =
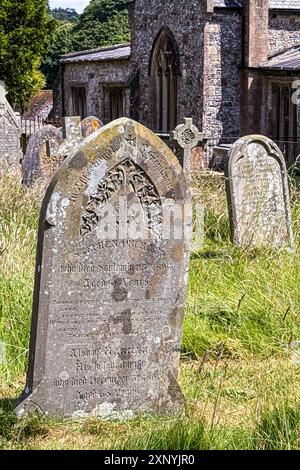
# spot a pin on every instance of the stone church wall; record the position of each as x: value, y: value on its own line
x: 94, y: 76
x: 222, y: 77
x: 284, y: 32
x: 186, y: 21
x: 210, y: 57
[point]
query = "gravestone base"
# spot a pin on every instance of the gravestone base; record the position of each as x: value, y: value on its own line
x: 173, y: 404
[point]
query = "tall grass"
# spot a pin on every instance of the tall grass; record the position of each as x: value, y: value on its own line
x: 248, y: 301
x: 242, y: 317
x: 18, y: 227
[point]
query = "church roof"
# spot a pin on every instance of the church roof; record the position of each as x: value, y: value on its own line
x: 229, y: 3
x: 273, y: 4
x: 288, y: 61
x: 117, y: 52
x: 285, y: 4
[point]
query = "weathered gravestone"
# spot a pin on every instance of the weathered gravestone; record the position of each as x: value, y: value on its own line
x: 187, y: 137
x: 89, y: 125
x: 10, y: 134
x: 37, y: 164
x: 48, y: 147
x: 74, y: 131
x: 258, y: 194
x: 72, y: 137
x: 110, y: 280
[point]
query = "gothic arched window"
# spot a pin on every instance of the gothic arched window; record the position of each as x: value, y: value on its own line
x: 164, y: 73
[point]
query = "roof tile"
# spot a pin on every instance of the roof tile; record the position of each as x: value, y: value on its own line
x: 273, y: 4
x: 119, y: 52
x: 288, y: 60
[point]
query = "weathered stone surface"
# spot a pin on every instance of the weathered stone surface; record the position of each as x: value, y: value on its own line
x: 10, y: 149
x: 37, y: 164
x: 187, y: 137
x: 284, y: 32
x: 48, y: 147
x: 108, y: 308
x: 71, y: 138
x: 89, y: 125
x: 258, y: 193
x: 74, y: 131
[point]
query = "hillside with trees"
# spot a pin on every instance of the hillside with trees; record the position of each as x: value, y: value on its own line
x: 33, y: 37
x: 64, y: 14
x: 102, y: 23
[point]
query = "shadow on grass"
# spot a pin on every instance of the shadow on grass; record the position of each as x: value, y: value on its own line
x: 8, y: 404
x: 18, y: 430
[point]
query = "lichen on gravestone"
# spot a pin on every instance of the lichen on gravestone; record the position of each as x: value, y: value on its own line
x: 258, y: 194
x: 37, y: 164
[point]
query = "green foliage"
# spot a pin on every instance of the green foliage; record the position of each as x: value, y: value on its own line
x: 96, y: 34
x: 61, y: 43
x: 25, y: 28
x: 103, y: 23
x: 177, y: 434
x: 18, y: 216
x: 64, y: 14
x: 249, y: 300
x: 278, y: 428
x: 102, y: 10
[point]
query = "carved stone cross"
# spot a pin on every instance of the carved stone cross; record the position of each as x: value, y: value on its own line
x: 187, y: 136
x: 72, y: 135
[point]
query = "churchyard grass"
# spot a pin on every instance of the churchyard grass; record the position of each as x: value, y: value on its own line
x: 242, y: 317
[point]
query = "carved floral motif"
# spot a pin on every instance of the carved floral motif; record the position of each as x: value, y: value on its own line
x: 126, y: 173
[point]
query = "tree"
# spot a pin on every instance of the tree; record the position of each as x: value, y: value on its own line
x: 64, y: 14
x: 103, y: 22
x: 61, y: 43
x: 25, y: 29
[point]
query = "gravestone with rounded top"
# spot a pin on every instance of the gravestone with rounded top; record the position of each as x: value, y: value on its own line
x: 10, y: 133
x: 258, y: 194
x: 37, y: 164
x: 89, y: 125
x: 72, y: 137
x: 110, y: 280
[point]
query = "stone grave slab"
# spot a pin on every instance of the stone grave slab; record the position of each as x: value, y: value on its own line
x: 10, y: 134
x: 37, y: 164
x: 89, y: 125
x: 110, y: 280
x: 258, y: 194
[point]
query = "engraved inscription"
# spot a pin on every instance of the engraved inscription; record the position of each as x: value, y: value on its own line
x: 259, y: 194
